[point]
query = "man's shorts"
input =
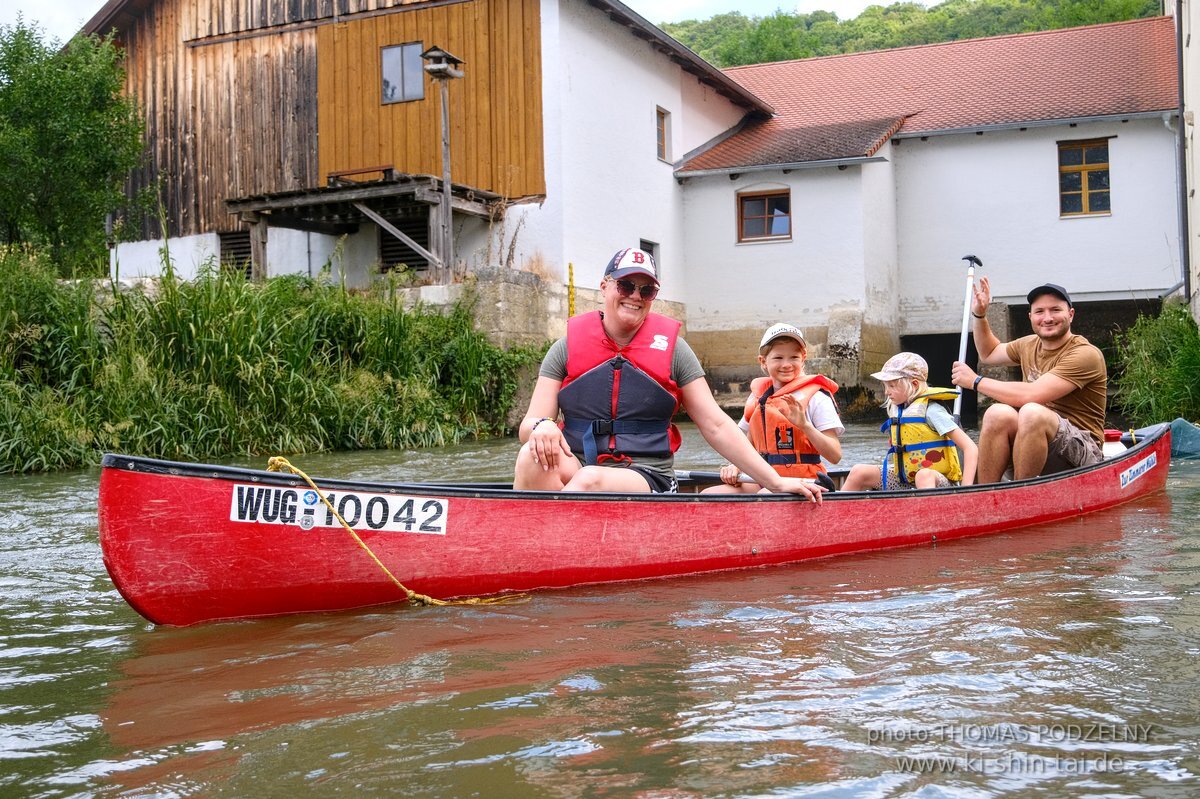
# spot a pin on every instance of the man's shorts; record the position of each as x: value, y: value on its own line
x: 1071, y: 447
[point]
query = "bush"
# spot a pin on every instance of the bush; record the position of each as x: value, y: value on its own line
x: 219, y: 367
x: 1159, y: 362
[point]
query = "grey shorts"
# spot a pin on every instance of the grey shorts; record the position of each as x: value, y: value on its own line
x: 1071, y: 447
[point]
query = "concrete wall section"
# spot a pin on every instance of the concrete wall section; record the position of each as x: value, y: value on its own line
x: 188, y: 254
x: 291, y: 252
x: 878, y: 338
x: 996, y: 196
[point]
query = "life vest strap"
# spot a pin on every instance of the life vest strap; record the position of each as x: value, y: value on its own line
x: 781, y: 460
x: 590, y: 431
x: 923, y: 445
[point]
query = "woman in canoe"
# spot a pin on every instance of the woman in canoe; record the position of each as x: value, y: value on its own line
x: 617, y: 378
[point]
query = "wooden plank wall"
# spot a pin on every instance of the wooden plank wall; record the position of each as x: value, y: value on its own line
x: 495, y: 109
x: 233, y: 110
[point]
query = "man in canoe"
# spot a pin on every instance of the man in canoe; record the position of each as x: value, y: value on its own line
x: 617, y: 378
x: 1053, y: 418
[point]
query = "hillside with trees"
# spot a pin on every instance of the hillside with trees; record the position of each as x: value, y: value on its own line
x: 733, y: 39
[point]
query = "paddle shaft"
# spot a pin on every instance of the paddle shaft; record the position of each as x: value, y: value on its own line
x: 962, y: 339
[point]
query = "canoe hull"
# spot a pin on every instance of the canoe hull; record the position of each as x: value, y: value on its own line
x: 190, y: 543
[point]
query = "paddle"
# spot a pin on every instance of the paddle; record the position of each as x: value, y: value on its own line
x: 715, y: 477
x: 966, y: 321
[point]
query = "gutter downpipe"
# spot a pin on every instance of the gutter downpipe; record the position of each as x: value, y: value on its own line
x: 1181, y: 161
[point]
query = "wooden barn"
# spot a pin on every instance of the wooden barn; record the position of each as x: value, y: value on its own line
x: 317, y: 116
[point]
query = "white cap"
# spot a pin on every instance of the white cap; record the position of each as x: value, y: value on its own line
x: 781, y: 330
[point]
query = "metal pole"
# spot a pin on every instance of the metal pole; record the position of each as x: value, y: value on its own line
x: 447, y: 213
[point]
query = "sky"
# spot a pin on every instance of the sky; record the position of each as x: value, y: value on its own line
x: 60, y: 19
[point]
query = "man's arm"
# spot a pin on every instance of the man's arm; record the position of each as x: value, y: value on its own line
x: 1016, y: 393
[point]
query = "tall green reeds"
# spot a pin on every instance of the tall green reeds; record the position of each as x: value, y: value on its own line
x: 218, y: 367
x: 1160, y: 367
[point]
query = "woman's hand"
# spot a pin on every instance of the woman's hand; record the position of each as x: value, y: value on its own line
x: 547, y: 443
x: 729, y: 475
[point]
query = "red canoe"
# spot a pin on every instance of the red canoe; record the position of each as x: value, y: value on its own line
x: 189, y: 543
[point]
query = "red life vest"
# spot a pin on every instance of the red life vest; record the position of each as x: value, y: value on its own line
x: 618, y: 402
x: 783, y: 446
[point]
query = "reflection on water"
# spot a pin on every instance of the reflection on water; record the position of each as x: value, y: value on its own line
x: 1056, y: 660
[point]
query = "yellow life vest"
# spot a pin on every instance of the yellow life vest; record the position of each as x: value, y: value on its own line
x: 915, y: 445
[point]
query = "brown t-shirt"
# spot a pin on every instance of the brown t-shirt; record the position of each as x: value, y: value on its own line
x: 1078, y: 362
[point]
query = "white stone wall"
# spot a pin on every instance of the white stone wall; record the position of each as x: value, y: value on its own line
x: 880, y: 240
x: 606, y: 187
x: 996, y: 196
x: 188, y: 254
x: 735, y: 286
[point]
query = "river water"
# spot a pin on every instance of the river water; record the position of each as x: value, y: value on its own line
x: 1053, y: 661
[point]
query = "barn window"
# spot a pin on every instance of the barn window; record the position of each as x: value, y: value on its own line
x: 765, y: 215
x: 403, y: 75
x: 1083, y: 187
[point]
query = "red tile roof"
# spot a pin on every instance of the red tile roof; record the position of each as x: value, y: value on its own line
x: 845, y: 106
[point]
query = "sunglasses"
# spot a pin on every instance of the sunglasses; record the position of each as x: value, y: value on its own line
x: 626, y: 288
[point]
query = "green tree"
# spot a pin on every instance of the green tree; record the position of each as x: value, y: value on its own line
x: 68, y: 139
x: 733, y: 39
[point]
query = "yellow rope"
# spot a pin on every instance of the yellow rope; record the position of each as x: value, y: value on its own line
x: 278, y: 464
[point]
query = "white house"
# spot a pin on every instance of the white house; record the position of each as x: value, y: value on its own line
x: 1050, y: 156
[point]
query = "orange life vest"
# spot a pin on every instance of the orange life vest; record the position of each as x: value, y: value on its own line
x: 787, y: 449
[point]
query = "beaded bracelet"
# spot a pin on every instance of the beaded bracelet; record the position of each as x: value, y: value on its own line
x: 539, y: 421
x: 979, y: 315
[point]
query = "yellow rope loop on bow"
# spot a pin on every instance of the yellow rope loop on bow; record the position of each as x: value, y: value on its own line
x: 280, y: 464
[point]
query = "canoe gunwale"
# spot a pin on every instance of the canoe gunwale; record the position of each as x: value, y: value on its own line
x: 156, y: 466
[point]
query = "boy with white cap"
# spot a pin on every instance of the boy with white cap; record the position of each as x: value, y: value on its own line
x: 924, y: 438
x: 790, y: 417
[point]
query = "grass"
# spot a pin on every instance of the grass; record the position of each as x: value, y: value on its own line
x: 219, y: 367
x: 1159, y: 367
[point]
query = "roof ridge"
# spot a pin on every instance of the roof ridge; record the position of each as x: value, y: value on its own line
x: 953, y: 42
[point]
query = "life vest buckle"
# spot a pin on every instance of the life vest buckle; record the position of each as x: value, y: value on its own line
x: 602, y: 427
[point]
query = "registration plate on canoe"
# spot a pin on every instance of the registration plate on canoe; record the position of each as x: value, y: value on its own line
x: 387, y: 513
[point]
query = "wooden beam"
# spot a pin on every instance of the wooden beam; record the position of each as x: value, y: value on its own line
x: 258, y: 250
x: 324, y: 197
x: 472, y: 208
x: 400, y: 234
x: 293, y: 222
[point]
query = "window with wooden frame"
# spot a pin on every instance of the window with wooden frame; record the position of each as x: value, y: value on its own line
x: 403, y: 73
x: 662, y: 122
x: 1083, y: 185
x: 765, y: 215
